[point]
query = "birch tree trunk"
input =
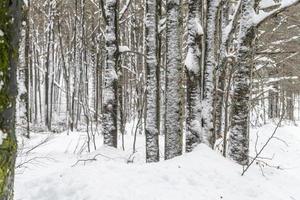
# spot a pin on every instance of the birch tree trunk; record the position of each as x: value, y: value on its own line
x: 9, y: 35
x: 110, y: 103
x: 209, y: 69
x: 173, y: 126
x: 152, y: 113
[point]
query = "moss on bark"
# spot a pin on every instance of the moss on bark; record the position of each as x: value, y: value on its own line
x: 9, y: 23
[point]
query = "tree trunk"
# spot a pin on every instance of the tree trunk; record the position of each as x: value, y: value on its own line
x: 27, y: 68
x: 110, y: 104
x: 193, y: 74
x: 9, y: 34
x: 173, y: 126
x: 152, y: 113
x: 239, y: 135
x: 209, y: 79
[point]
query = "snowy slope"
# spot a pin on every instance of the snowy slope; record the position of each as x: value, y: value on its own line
x: 202, y: 174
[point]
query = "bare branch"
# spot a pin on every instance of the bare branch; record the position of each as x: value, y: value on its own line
x: 264, y: 146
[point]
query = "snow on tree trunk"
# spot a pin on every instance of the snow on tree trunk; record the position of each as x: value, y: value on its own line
x: 152, y: 112
x: 193, y: 66
x: 238, y: 144
x: 209, y: 68
x: 221, y: 71
x: 110, y: 103
x: 8, y: 90
x: 219, y: 99
x: 23, y: 101
x: 173, y: 124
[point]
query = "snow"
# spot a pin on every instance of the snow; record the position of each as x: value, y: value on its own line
x: 229, y: 27
x: 262, y: 15
x: 292, y: 26
x: 198, y: 27
x: 202, y: 174
x: 2, y: 136
x: 1, y: 81
x: 162, y: 25
x: 272, y: 80
x: 266, y: 59
x: 190, y: 61
x: 25, y: 2
x: 286, y: 40
x: 266, y: 4
x: 123, y: 49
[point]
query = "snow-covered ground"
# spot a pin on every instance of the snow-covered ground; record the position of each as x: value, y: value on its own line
x: 54, y: 172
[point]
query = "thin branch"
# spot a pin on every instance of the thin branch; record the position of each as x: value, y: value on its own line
x: 275, y: 52
x: 134, y: 52
x: 263, y: 16
x: 124, y: 9
x: 33, y: 159
x: 264, y: 146
x: 91, y: 159
x: 38, y: 145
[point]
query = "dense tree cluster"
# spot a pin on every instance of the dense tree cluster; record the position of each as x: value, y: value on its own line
x: 193, y: 71
x: 186, y: 70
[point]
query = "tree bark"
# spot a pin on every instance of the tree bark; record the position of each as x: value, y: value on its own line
x: 110, y: 103
x: 238, y: 148
x: 193, y: 75
x: 152, y: 113
x: 209, y: 74
x: 173, y: 126
x: 8, y: 90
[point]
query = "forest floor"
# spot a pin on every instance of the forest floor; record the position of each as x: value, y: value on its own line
x: 52, y: 171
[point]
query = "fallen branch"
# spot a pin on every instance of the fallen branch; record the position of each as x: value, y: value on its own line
x: 91, y: 159
x: 128, y: 160
x: 38, y: 145
x: 31, y: 160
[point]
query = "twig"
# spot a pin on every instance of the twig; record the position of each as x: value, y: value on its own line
x: 33, y: 159
x: 138, y: 123
x: 259, y: 162
x: 131, y: 158
x: 264, y: 146
x: 256, y: 141
x: 134, y: 52
x: 281, y: 140
x: 91, y: 159
x: 38, y: 145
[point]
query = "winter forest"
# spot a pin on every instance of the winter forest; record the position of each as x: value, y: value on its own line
x: 149, y: 99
